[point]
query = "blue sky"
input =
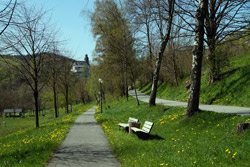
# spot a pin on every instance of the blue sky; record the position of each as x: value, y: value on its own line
x: 73, y: 25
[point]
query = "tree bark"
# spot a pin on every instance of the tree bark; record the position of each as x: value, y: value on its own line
x: 193, y: 101
x: 55, y: 99
x: 37, y: 108
x: 67, y: 99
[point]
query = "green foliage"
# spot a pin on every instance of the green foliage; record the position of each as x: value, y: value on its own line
x: 115, y: 55
x: 33, y: 146
x: 206, y: 139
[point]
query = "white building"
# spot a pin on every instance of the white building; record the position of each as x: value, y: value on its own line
x: 82, y: 67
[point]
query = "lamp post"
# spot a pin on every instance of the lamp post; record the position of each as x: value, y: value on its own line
x: 100, y: 83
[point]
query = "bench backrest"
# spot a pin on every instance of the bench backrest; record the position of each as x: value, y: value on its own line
x: 133, y: 120
x: 147, y: 126
x: 18, y: 110
x: 8, y: 110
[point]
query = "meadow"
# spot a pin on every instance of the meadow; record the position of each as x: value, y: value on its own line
x: 33, y: 146
x: 206, y: 139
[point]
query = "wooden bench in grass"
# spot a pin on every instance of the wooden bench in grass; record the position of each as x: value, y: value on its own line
x: 130, y: 120
x: 147, y: 127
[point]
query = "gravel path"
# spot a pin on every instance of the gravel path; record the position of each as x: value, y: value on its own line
x: 215, y: 108
x: 84, y: 146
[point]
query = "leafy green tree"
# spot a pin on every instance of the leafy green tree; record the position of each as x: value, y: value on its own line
x: 114, y: 49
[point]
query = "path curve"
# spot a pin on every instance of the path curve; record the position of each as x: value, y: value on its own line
x: 85, y: 145
x: 215, y: 108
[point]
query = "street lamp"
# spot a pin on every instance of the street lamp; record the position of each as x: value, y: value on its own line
x: 100, y: 83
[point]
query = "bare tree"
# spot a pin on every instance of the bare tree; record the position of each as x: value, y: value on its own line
x: 55, y: 65
x: 164, y: 15
x: 6, y: 14
x: 29, y: 40
x: 223, y: 19
x: 142, y: 16
x: 193, y: 101
x: 66, y: 81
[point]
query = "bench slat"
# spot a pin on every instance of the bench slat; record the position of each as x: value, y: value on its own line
x: 133, y: 119
x: 123, y: 125
x: 149, y: 123
x: 147, y: 127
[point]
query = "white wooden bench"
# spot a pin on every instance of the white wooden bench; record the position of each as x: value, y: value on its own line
x: 126, y: 125
x: 147, y: 127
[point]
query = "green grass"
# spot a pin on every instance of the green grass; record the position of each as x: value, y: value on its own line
x: 11, y: 125
x: 206, y: 139
x: 33, y: 146
x: 232, y: 90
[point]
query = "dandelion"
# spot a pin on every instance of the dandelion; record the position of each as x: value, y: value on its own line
x: 218, y: 125
x: 161, y: 164
x: 195, y: 162
x: 233, y: 156
x: 227, y: 150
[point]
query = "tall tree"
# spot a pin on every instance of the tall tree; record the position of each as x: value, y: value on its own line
x: 164, y: 15
x: 142, y: 14
x: 29, y: 40
x: 193, y: 101
x: 66, y: 81
x: 114, y: 46
x: 223, y: 18
x: 55, y: 66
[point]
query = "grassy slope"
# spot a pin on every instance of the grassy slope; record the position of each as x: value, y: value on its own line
x: 33, y: 146
x: 206, y: 139
x: 234, y: 89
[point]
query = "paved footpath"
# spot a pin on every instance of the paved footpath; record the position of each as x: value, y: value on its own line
x: 84, y: 146
x: 215, y: 108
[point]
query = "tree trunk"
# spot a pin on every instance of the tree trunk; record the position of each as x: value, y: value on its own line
x: 37, y: 108
x: 67, y: 99
x: 55, y: 99
x: 212, y: 61
x: 211, y: 28
x: 160, y: 55
x: 175, y: 66
x: 150, y: 51
x: 193, y: 101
